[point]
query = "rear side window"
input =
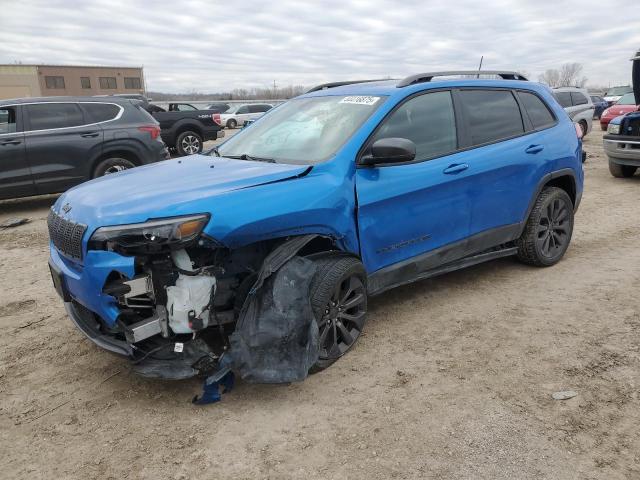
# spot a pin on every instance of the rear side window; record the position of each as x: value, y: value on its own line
x: 539, y: 113
x: 44, y: 116
x: 7, y: 120
x: 428, y: 121
x: 564, y: 99
x: 578, y: 99
x: 100, y: 112
x: 492, y: 115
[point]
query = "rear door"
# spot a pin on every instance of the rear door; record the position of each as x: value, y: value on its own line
x: 258, y: 110
x: 61, y: 143
x: 15, y: 175
x: 412, y: 210
x: 506, y: 158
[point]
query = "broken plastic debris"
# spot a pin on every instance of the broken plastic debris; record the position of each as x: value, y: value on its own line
x: 564, y: 395
x: 211, y: 389
x: 13, y: 222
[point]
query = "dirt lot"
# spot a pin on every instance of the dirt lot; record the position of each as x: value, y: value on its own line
x: 453, y: 378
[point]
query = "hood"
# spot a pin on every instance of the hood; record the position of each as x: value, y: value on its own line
x: 168, y: 188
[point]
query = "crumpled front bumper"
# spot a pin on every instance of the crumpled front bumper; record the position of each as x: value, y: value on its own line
x: 84, y: 282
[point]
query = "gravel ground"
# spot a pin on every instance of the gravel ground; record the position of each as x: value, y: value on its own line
x: 453, y: 378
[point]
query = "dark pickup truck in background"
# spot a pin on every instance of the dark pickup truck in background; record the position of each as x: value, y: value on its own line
x: 185, y: 129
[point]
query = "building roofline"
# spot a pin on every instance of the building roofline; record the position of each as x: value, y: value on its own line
x: 67, y: 66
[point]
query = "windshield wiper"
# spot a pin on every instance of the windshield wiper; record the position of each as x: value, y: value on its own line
x: 213, y: 150
x: 244, y: 156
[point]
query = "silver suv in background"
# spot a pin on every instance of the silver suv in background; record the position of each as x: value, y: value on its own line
x: 238, y: 114
x: 577, y: 103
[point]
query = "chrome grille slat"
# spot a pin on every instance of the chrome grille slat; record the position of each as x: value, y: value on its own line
x: 66, y: 235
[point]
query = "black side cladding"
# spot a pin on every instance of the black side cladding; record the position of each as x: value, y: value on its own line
x: 276, y: 337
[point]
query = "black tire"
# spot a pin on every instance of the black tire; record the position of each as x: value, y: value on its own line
x: 621, y: 171
x: 548, y: 231
x: 232, y: 123
x: 112, y: 165
x: 338, y: 295
x: 189, y: 143
x: 584, y: 127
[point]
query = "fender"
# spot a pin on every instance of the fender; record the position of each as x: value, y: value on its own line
x: 542, y: 183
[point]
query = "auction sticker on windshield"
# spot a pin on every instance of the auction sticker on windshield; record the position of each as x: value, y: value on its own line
x: 360, y: 100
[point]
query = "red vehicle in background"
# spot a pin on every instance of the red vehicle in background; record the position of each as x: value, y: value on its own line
x: 626, y: 104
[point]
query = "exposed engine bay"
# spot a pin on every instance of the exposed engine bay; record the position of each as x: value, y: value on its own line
x: 183, y: 305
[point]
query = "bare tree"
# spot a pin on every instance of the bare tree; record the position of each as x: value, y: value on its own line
x: 551, y: 77
x: 569, y: 75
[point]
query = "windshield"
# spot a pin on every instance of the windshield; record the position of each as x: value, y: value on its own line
x: 617, y: 91
x: 628, y: 99
x: 304, y: 130
x: 232, y: 109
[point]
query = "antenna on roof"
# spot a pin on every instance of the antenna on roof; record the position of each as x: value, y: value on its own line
x: 480, y: 66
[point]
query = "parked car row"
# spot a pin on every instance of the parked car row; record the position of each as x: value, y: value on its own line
x: 48, y: 145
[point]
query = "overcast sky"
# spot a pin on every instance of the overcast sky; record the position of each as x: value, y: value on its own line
x: 212, y: 46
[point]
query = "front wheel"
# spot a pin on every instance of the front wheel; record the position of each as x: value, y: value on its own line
x: 339, y: 301
x: 232, y: 124
x: 547, y: 234
x: 188, y: 143
x: 621, y: 171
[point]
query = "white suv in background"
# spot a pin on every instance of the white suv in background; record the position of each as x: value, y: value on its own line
x: 577, y: 103
x: 238, y: 114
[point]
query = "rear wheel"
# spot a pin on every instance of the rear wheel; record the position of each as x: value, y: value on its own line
x: 112, y: 165
x: 188, y: 143
x: 584, y: 127
x: 621, y: 171
x: 547, y: 234
x: 339, y: 301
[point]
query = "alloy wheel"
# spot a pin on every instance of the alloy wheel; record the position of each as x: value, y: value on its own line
x: 343, y: 318
x: 190, y: 144
x: 114, y: 169
x: 553, y: 230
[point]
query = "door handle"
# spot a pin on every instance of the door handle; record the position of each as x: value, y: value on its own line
x: 534, y: 149
x: 455, y: 168
x: 11, y: 142
x: 89, y: 134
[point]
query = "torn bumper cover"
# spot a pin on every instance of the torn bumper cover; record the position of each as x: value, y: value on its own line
x: 275, y: 338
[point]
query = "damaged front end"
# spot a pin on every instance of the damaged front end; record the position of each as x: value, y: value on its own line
x: 172, y: 299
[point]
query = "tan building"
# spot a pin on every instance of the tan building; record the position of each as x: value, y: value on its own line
x: 17, y: 81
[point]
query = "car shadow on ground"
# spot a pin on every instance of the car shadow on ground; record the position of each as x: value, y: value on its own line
x: 27, y: 205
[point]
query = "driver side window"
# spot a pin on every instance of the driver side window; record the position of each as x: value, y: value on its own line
x: 428, y: 121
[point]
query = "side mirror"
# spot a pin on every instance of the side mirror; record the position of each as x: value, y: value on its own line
x: 390, y: 150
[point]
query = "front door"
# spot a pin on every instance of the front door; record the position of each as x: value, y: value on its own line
x: 61, y: 143
x: 416, y: 216
x: 15, y: 175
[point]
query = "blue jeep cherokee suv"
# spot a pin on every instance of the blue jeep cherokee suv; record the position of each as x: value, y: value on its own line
x: 386, y: 182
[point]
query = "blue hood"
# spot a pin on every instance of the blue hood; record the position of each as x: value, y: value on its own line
x: 165, y: 189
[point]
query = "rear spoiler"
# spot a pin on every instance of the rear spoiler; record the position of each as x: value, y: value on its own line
x: 635, y: 76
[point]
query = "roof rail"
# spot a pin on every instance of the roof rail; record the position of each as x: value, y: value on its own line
x: 325, y: 86
x: 427, y: 77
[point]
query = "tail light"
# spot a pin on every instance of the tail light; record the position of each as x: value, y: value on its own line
x: 216, y: 118
x: 153, y: 130
x: 578, y: 130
